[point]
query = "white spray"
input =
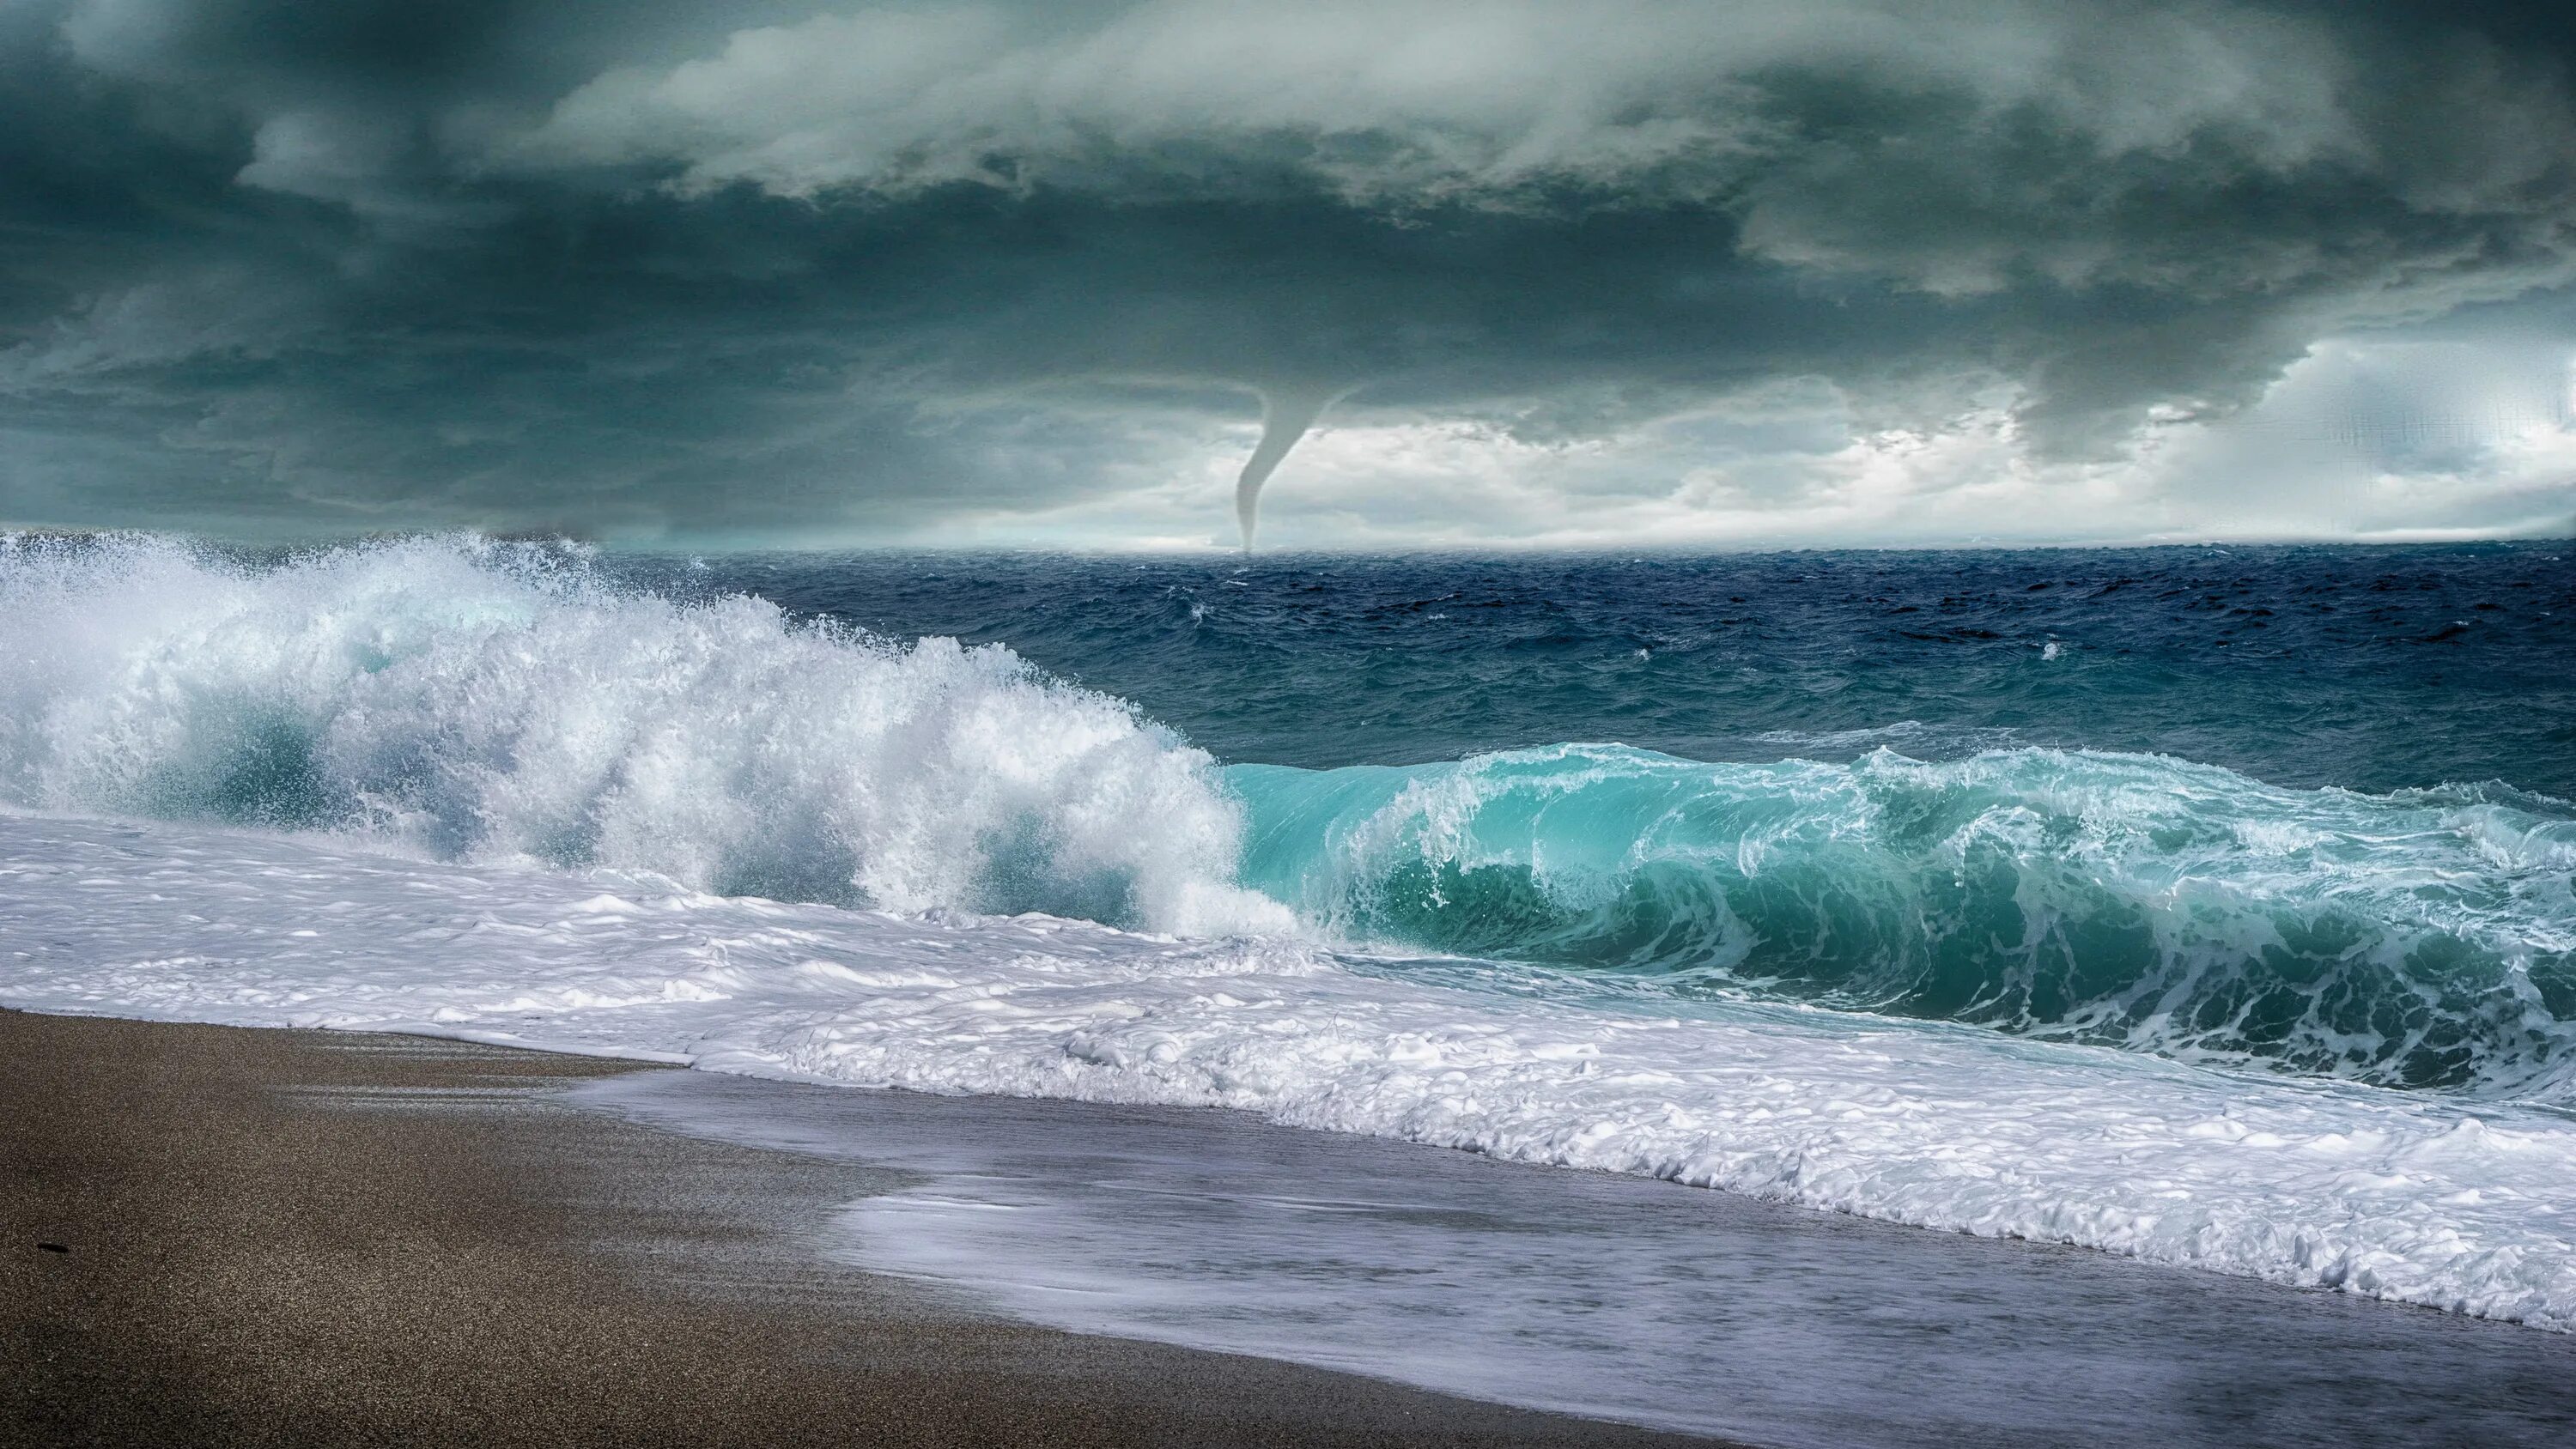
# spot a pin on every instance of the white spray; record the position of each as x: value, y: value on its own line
x: 494, y: 703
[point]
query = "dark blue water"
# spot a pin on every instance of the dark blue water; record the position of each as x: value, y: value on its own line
x: 2372, y: 668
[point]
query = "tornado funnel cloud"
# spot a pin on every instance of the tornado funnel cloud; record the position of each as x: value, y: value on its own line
x: 1286, y: 414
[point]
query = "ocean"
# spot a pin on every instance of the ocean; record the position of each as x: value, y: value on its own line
x: 2210, y: 906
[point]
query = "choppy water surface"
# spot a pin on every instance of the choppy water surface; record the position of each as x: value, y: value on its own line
x: 2371, y: 668
x: 1900, y: 782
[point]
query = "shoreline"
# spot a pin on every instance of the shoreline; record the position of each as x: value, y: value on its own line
x: 293, y: 1236
x: 318, y: 1236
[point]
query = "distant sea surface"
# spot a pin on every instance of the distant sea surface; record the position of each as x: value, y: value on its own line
x: 2372, y: 668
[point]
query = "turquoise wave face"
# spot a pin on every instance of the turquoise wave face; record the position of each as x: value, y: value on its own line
x: 2422, y: 938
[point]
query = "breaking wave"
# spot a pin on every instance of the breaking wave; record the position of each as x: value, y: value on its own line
x: 476, y: 701
x: 481, y: 701
x: 2418, y: 939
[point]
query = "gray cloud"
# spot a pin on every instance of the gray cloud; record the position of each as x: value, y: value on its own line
x: 736, y: 272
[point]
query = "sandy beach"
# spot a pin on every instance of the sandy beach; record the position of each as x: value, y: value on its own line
x: 221, y: 1235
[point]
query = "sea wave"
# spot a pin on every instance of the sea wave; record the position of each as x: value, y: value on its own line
x: 480, y: 702
x: 470, y: 700
x: 2421, y: 939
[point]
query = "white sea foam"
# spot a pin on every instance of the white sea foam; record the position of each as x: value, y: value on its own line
x: 468, y: 700
x: 2395, y: 1195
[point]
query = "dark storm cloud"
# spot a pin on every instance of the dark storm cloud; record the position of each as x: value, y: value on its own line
x: 737, y: 271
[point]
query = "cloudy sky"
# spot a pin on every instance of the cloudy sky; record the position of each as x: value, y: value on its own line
x: 1616, y: 273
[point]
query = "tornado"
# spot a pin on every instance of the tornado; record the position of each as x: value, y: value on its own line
x: 1286, y: 414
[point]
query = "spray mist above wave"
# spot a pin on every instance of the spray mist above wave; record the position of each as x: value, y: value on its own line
x: 2421, y: 939
x: 475, y: 700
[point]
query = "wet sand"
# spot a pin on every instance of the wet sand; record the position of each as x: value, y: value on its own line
x: 217, y: 1235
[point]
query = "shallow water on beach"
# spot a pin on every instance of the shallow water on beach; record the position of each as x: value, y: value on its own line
x: 1608, y: 1296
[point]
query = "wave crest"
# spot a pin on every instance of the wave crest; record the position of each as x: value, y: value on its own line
x: 2426, y: 938
x: 477, y: 700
